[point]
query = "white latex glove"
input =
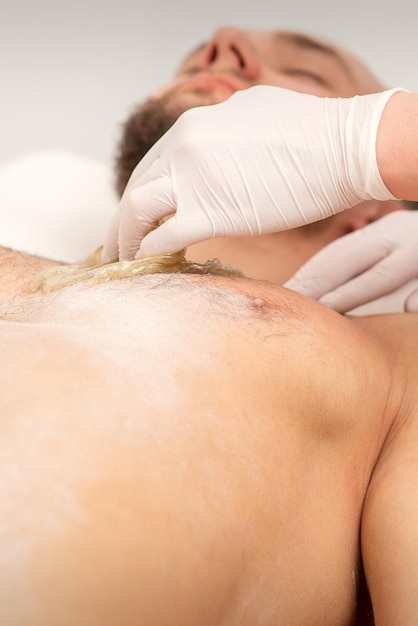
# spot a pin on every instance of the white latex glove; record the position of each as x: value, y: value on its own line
x: 369, y: 263
x: 265, y: 160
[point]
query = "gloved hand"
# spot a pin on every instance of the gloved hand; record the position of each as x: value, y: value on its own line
x: 265, y: 160
x: 364, y: 265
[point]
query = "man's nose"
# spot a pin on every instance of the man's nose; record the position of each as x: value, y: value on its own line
x: 230, y: 49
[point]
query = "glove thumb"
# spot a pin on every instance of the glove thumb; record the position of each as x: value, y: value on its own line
x: 411, y: 303
x: 169, y: 238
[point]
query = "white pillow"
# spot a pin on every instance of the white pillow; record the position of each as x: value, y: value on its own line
x: 55, y: 204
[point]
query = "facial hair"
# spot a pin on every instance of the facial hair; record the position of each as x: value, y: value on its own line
x: 148, y: 122
x: 145, y: 125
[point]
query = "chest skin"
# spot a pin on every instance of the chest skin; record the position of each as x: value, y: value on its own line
x: 187, y: 451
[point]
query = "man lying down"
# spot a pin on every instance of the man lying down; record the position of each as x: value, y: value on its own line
x: 203, y: 449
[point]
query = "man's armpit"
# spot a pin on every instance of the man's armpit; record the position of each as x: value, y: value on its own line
x: 389, y: 533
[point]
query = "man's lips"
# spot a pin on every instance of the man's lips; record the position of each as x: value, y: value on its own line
x: 213, y: 82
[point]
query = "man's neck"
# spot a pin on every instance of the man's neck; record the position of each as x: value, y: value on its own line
x: 273, y: 257
x: 16, y: 269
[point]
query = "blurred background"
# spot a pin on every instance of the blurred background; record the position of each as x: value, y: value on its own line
x: 71, y: 71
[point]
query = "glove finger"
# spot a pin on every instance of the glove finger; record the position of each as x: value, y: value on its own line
x: 336, y: 264
x: 110, y: 250
x: 175, y: 234
x: 380, y: 280
x: 411, y: 303
x: 147, y: 168
x: 144, y: 206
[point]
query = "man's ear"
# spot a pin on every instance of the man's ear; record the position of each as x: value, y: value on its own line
x: 367, y: 212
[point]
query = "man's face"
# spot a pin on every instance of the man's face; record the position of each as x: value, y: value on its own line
x: 233, y: 60
x: 280, y: 58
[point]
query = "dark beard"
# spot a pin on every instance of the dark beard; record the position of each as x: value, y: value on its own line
x: 147, y: 123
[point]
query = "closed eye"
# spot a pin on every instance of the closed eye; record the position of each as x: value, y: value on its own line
x: 306, y: 74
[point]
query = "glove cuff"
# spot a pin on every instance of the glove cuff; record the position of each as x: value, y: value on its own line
x: 373, y: 186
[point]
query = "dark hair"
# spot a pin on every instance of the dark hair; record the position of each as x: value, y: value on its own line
x: 147, y: 123
x: 410, y: 205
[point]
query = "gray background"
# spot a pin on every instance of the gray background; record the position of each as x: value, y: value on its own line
x: 70, y: 72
